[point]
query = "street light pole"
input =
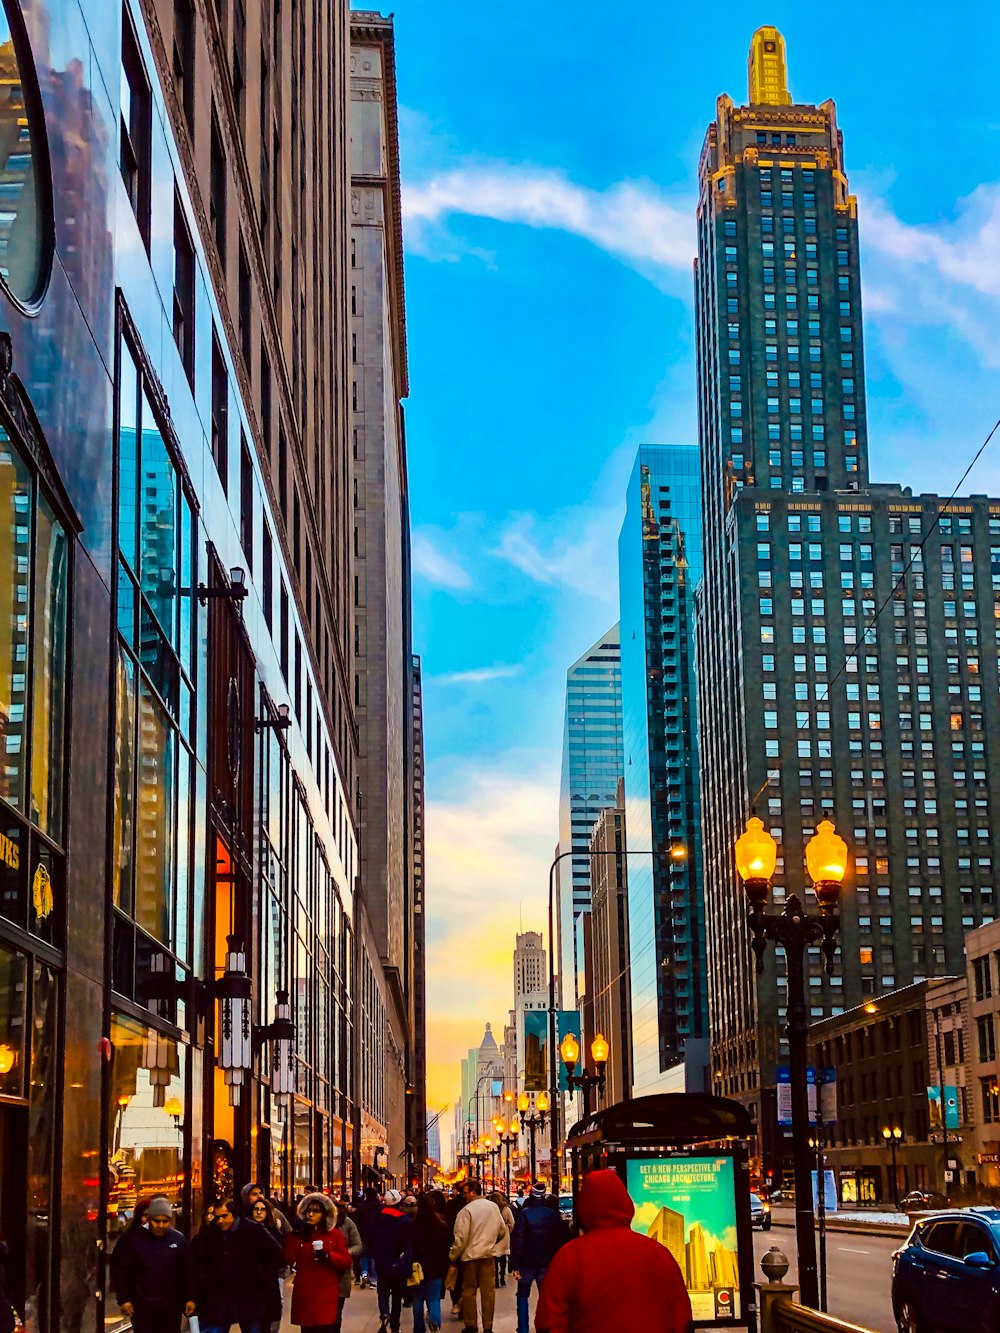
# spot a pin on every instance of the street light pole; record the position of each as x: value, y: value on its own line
x: 794, y: 930
x: 892, y: 1135
x: 553, y: 1075
x: 534, y: 1122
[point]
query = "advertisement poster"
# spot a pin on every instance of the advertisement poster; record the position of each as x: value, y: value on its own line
x: 950, y: 1107
x: 688, y: 1204
x: 536, y: 1050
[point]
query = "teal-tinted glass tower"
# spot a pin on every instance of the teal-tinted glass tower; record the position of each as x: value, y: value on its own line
x: 660, y: 563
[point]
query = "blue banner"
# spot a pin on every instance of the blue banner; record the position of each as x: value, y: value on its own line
x: 536, y: 1050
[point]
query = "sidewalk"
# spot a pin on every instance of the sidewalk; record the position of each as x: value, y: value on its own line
x: 361, y: 1313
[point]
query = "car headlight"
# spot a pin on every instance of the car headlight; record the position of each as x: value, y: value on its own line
x: 766, y: 1207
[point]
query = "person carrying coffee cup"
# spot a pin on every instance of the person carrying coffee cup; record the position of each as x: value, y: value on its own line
x: 320, y: 1255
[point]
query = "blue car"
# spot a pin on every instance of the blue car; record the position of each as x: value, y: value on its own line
x: 947, y: 1274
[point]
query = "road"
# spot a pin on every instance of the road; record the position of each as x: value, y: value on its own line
x: 858, y: 1273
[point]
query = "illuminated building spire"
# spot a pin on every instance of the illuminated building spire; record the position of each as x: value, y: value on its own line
x: 767, y: 71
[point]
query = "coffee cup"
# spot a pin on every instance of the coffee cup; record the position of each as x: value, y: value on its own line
x: 317, y: 1244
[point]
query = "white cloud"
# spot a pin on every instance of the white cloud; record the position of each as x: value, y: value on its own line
x: 432, y: 564
x: 630, y: 219
x: 573, y: 549
x: 477, y: 675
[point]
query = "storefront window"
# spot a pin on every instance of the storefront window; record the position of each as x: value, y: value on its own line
x: 48, y: 674
x: 145, y: 1148
x: 15, y: 576
x: 154, y: 818
x: 13, y: 1017
x: 41, y: 1132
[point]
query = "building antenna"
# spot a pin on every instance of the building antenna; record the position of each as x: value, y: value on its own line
x: 520, y: 917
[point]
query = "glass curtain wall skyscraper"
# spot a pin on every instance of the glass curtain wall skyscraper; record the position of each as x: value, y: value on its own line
x: 591, y: 767
x: 847, y: 640
x: 660, y: 563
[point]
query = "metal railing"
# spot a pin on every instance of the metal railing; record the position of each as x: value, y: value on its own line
x: 779, y: 1313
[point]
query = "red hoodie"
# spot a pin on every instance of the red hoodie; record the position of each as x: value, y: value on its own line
x: 612, y: 1277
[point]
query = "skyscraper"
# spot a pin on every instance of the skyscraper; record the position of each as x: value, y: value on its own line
x: 591, y: 766
x: 530, y: 972
x: 660, y: 561
x: 847, y: 649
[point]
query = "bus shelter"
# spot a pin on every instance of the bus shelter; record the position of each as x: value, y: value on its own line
x: 684, y: 1159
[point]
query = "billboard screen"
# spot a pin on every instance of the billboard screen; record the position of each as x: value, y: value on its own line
x: 688, y: 1204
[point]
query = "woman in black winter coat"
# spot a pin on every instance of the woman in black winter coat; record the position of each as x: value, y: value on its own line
x: 431, y: 1242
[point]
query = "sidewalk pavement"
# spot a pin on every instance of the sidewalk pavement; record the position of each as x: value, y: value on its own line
x: 361, y: 1313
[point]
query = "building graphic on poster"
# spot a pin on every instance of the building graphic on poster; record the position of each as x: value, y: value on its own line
x: 688, y: 1205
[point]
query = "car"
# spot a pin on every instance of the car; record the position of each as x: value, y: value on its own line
x: 760, y: 1212
x: 923, y: 1199
x: 946, y: 1275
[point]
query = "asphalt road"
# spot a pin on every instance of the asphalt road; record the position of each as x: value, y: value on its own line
x: 859, y: 1273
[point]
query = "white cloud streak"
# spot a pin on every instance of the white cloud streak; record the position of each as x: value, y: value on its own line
x: 476, y: 676
x: 432, y: 564
x: 630, y: 219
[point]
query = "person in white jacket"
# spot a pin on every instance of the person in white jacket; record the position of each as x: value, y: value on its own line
x: 480, y: 1235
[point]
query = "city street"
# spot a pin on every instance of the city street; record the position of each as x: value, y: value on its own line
x: 859, y: 1276
x: 859, y: 1273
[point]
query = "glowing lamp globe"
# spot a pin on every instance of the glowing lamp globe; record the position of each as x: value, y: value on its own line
x: 826, y: 855
x: 7, y: 1058
x: 600, y: 1050
x: 515, y: 1128
x: 542, y: 1102
x: 569, y: 1049
x: 756, y: 852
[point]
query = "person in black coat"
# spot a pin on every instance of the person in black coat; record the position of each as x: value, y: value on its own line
x: 539, y: 1232
x: 153, y: 1281
x: 236, y: 1263
x: 392, y: 1250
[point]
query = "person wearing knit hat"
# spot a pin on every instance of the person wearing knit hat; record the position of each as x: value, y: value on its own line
x: 392, y: 1246
x: 153, y: 1281
x: 320, y: 1255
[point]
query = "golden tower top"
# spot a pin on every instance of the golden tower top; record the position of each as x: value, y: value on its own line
x: 767, y: 71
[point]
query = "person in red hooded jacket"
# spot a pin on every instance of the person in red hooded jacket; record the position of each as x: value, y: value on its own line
x: 319, y: 1254
x: 612, y: 1276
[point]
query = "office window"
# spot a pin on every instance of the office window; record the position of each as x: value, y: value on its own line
x: 217, y: 189
x: 246, y: 302
x: 220, y: 412
x: 267, y: 572
x: 183, y: 53
x: 135, y: 126
x: 246, y: 501
x: 183, y: 290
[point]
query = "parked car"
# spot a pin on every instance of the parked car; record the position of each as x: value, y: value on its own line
x: 923, y: 1199
x: 760, y: 1212
x: 946, y: 1274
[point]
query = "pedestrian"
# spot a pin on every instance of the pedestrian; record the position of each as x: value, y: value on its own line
x: 153, y: 1282
x: 264, y: 1213
x: 392, y: 1248
x: 126, y: 1238
x: 500, y: 1199
x: 518, y: 1198
x: 364, y: 1218
x: 538, y: 1234
x: 431, y: 1243
x: 352, y: 1239
x: 251, y: 1194
x: 480, y: 1233
x: 319, y: 1256
x: 235, y: 1262
x: 455, y: 1204
x: 612, y: 1276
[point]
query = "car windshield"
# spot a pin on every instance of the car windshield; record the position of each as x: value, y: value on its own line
x: 755, y: 1201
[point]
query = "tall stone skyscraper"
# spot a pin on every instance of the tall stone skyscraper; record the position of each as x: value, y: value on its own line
x: 659, y: 561
x: 847, y: 650
x: 591, y: 767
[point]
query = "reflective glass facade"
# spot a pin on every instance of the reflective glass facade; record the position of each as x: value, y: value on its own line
x: 591, y: 767
x: 660, y: 563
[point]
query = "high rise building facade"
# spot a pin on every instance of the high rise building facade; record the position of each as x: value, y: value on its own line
x: 608, y: 963
x: 660, y: 563
x: 530, y: 967
x: 385, y: 688
x: 591, y: 767
x: 847, y: 642
x: 179, y: 787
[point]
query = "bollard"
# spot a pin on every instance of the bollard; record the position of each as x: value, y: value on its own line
x: 773, y: 1293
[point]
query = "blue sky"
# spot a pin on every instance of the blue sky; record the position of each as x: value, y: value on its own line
x: 549, y: 156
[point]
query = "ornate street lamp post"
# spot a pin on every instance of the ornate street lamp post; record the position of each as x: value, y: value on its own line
x: 794, y: 930
x: 534, y: 1122
x: 892, y: 1135
x: 569, y: 1050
